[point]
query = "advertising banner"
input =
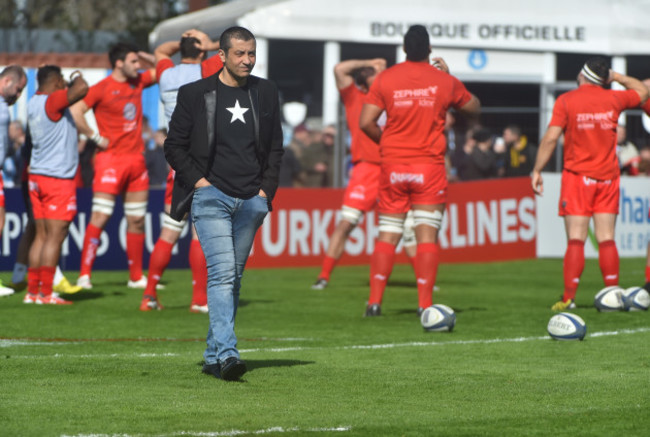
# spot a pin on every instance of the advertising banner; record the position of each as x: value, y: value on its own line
x: 485, y: 221
x: 489, y: 220
x: 632, y: 224
x: 111, y: 253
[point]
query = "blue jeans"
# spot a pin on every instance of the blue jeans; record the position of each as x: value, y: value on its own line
x: 226, y: 227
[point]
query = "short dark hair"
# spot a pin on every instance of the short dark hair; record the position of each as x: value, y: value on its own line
x: 119, y: 51
x: 235, y: 32
x: 516, y: 130
x: 15, y: 71
x: 600, y: 66
x: 416, y: 43
x: 189, y: 48
x: 46, y: 73
x: 482, y: 135
x: 361, y: 75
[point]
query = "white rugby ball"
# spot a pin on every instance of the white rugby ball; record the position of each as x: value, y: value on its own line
x: 438, y: 318
x: 609, y: 299
x: 636, y: 299
x: 566, y: 326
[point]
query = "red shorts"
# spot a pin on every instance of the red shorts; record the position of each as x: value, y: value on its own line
x: 116, y: 174
x: 53, y: 198
x: 403, y: 185
x: 583, y: 196
x: 169, y: 187
x: 363, y: 187
x: 2, y: 193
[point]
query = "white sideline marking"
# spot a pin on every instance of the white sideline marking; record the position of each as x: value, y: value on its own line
x: 444, y: 343
x: 7, y: 343
x: 10, y: 343
x: 621, y: 331
x: 234, y: 432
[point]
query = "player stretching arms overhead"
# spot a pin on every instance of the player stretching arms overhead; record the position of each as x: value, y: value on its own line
x: 353, y: 79
x: 416, y: 97
x: 119, y: 164
x: 587, y: 116
x: 193, y: 47
x: 52, y: 169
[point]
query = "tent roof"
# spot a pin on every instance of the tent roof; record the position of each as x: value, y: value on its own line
x: 213, y: 20
x: 610, y: 27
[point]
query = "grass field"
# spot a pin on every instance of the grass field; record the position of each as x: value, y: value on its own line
x: 316, y: 367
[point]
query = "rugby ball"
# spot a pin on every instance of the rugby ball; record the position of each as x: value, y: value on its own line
x: 566, y: 326
x: 636, y: 299
x: 609, y: 299
x: 438, y: 318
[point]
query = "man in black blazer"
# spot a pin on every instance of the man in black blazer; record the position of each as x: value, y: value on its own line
x: 225, y: 144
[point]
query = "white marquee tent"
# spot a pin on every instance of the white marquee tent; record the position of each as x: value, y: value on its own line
x: 507, y: 41
x: 611, y: 27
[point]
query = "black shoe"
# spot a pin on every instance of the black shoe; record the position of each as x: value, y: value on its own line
x: 420, y: 311
x: 212, y: 369
x: 647, y: 287
x: 373, y: 310
x: 232, y: 369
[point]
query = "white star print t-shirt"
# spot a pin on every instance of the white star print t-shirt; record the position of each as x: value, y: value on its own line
x: 236, y: 170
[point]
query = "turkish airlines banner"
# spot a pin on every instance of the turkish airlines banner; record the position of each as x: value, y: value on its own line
x: 490, y: 220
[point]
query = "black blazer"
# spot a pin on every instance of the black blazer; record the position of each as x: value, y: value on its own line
x: 190, y: 144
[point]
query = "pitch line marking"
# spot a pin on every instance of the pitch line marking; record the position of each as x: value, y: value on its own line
x: 8, y: 343
x: 444, y: 343
x: 39, y: 341
x: 231, y: 433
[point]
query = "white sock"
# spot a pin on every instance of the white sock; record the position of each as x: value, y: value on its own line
x: 20, y: 272
x: 58, y: 275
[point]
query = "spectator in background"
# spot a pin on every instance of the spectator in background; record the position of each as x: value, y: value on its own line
x: 328, y: 135
x: 314, y: 161
x: 290, y: 170
x: 311, y: 156
x: 300, y: 141
x: 500, y: 149
x: 480, y: 160
x: 520, y: 154
x: 13, y: 160
x: 155, y: 159
x: 455, y: 141
x: 86, y: 170
x: 644, y: 161
x: 147, y: 134
x: 627, y: 153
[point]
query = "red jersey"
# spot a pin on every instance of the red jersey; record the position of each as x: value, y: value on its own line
x: 118, y: 111
x: 416, y: 97
x: 589, y: 115
x: 363, y: 148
